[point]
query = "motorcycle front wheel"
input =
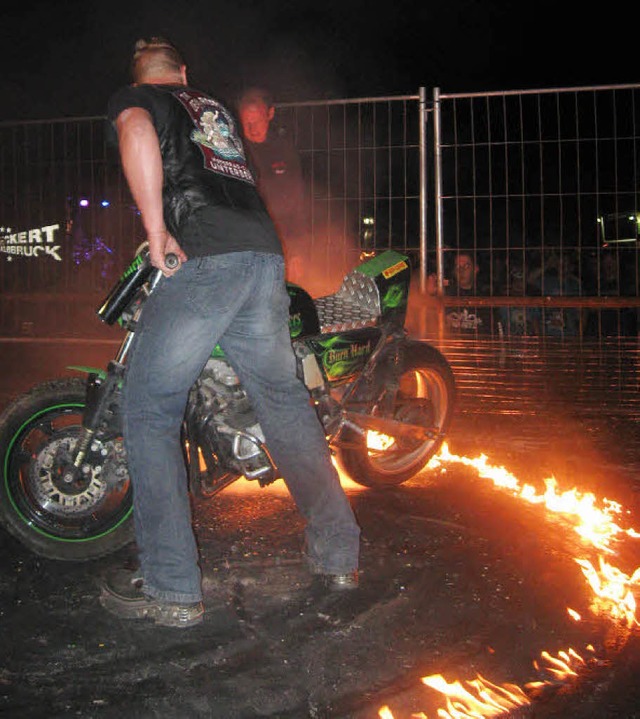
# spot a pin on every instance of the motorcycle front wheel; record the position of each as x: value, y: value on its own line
x: 423, y: 396
x: 57, y: 510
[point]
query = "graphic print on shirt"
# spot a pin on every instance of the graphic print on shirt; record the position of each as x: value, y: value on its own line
x: 463, y: 320
x: 216, y: 135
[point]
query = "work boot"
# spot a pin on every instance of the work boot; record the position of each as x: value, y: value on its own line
x: 123, y: 596
x: 338, y: 582
x: 328, y: 581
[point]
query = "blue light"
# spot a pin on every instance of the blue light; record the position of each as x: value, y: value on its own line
x: 105, y: 203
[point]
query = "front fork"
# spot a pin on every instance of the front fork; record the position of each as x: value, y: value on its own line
x: 99, y: 396
x: 101, y: 387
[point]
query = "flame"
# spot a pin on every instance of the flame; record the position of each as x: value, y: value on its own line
x: 248, y: 486
x: 573, y: 614
x: 483, y: 698
x: 486, y: 699
x: 594, y: 524
x: 378, y: 442
x: 560, y: 666
x: 612, y: 589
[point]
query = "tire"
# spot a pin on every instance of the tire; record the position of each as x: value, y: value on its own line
x: 50, y: 512
x: 426, y: 399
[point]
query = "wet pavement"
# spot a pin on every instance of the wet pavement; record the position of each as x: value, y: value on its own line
x: 458, y: 578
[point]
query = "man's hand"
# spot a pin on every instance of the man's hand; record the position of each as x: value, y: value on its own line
x: 432, y: 284
x: 160, y: 245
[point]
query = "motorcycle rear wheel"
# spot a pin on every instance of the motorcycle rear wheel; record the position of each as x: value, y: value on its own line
x: 425, y: 398
x: 54, y: 511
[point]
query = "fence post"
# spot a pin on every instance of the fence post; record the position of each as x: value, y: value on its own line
x: 437, y: 159
x: 423, y: 188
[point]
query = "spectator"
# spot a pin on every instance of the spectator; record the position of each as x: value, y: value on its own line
x: 518, y: 320
x: 275, y: 163
x: 557, y: 278
x: 609, y: 281
x: 467, y: 282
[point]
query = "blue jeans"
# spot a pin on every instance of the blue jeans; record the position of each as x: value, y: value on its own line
x: 239, y: 300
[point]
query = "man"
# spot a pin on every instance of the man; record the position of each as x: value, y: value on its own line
x: 186, y: 169
x: 465, y: 283
x: 275, y: 163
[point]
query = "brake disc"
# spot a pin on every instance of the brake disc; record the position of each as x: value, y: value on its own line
x: 60, y: 488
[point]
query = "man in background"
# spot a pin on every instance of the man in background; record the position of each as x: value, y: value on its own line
x: 275, y: 163
x: 466, y: 282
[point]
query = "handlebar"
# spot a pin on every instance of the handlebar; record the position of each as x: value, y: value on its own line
x: 171, y: 261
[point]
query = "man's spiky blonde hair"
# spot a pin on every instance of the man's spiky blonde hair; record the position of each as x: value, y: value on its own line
x: 155, y: 57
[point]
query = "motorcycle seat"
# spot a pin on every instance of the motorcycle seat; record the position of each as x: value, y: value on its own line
x: 356, y: 304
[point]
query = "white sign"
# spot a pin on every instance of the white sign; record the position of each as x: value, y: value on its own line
x: 37, y: 242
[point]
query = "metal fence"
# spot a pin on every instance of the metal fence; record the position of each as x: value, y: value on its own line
x: 540, y: 188
x: 62, y: 204
x: 365, y: 165
x: 67, y: 225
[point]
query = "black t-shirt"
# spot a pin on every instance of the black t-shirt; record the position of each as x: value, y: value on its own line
x: 465, y: 319
x: 275, y: 164
x: 211, y: 204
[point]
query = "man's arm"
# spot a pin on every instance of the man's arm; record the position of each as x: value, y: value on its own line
x: 142, y: 165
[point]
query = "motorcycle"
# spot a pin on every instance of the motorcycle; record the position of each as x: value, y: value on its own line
x: 385, y: 401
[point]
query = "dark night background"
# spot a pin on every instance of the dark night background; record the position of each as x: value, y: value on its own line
x: 63, y: 59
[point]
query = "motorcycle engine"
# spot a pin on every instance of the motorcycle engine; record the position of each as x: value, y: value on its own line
x: 225, y: 409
